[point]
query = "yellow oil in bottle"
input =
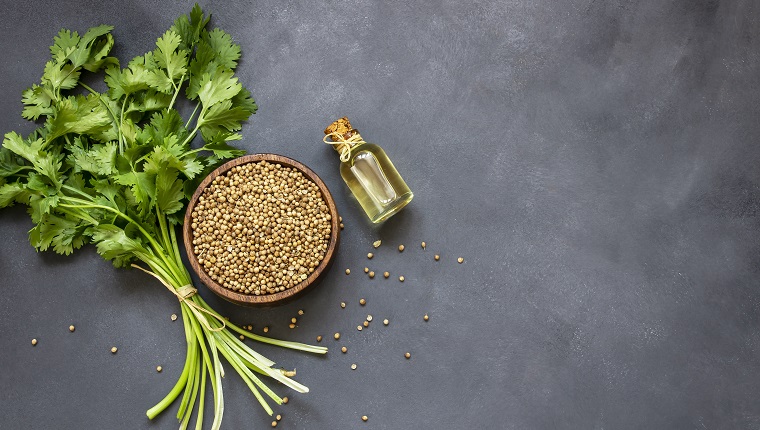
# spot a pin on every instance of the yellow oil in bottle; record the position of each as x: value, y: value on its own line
x: 369, y: 173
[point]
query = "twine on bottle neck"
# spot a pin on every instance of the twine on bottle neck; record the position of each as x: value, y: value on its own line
x: 343, y: 145
x: 184, y: 293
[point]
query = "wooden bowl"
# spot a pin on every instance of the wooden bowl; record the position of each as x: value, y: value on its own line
x: 282, y: 296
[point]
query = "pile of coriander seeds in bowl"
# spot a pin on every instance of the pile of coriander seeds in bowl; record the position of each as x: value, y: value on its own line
x: 260, y: 229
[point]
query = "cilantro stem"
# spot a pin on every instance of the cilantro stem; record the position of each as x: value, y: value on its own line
x: 192, y: 114
x: 176, y: 89
x: 121, y: 124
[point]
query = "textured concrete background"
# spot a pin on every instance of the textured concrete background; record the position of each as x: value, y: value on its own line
x: 595, y: 162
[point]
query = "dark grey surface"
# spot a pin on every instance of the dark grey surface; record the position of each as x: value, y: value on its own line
x: 595, y: 163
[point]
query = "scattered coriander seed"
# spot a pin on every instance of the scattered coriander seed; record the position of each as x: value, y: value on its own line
x: 113, y: 350
x: 369, y: 317
x: 370, y: 255
x: 159, y: 369
x: 365, y: 323
x: 344, y: 350
x: 300, y: 312
x: 408, y: 356
x: 342, y: 226
x: 34, y: 342
x: 353, y: 366
x: 174, y: 317
x: 386, y: 274
x: 293, y: 320
x: 336, y: 336
x: 401, y: 278
x: 426, y: 317
x: 278, y: 417
x: 72, y: 328
x: 340, y: 219
x: 359, y: 328
x: 250, y: 327
x: 401, y: 248
x: 386, y: 322
x: 460, y: 260
x: 424, y: 245
x: 371, y: 274
x: 292, y: 325
x: 377, y: 243
x: 343, y: 305
x: 348, y: 271
x: 242, y: 337
x: 266, y: 329
x: 274, y: 423
x: 319, y: 338
x: 285, y: 400
x: 437, y: 257
x: 366, y: 270
x: 362, y: 302
x: 365, y: 418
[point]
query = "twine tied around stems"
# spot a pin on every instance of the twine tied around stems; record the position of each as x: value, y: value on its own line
x: 184, y: 293
x: 343, y: 145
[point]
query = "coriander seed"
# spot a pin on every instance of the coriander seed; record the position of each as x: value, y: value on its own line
x: 362, y: 302
x: 365, y: 323
x: 371, y: 274
x: 274, y: 423
x: 262, y: 228
x: 401, y: 248
x: 408, y: 356
x: 278, y: 417
x: 285, y: 400
x: 343, y: 305
x: 300, y: 312
x: 369, y: 317
x: 365, y: 418
x: 344, y: 350
x: 460, y: 260
x: 426, y: 317
x: 336, y: 336
x: 266, y: 329
x: 377, y: 243
x: 348, y: 271
x: 401, y: 278
x: 370, y: 255
x: 386, y: 274
x: 293, y: 320
x: 437, y: 257
x: 34, y: 342
x: 159, y: 369
x: 359, y: 328
x: 292, y: 325
x: 366, y: 270
x: 113, y: 350
x: 424, y: 245
x: 72, y: 328
x: 174, y: 317
x: 242, y: 337
x: 353, y: 366
x: 319, y: 338
x: 386, y: 322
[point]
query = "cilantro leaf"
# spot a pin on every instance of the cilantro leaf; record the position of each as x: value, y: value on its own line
x: 169, y: 191
x: 215, y: 89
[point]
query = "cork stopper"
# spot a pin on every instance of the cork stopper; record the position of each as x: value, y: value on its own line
x: 342, y: 127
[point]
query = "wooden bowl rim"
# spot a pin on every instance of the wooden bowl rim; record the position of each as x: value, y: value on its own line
x: 282, y: 296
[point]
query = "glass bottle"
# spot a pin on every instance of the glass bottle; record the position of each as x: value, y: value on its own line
x: 368, y: 172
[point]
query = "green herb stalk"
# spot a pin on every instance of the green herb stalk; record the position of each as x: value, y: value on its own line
x: 116, y: 169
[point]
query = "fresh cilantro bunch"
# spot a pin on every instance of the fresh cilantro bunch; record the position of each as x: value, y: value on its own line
x: 115, y: 169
